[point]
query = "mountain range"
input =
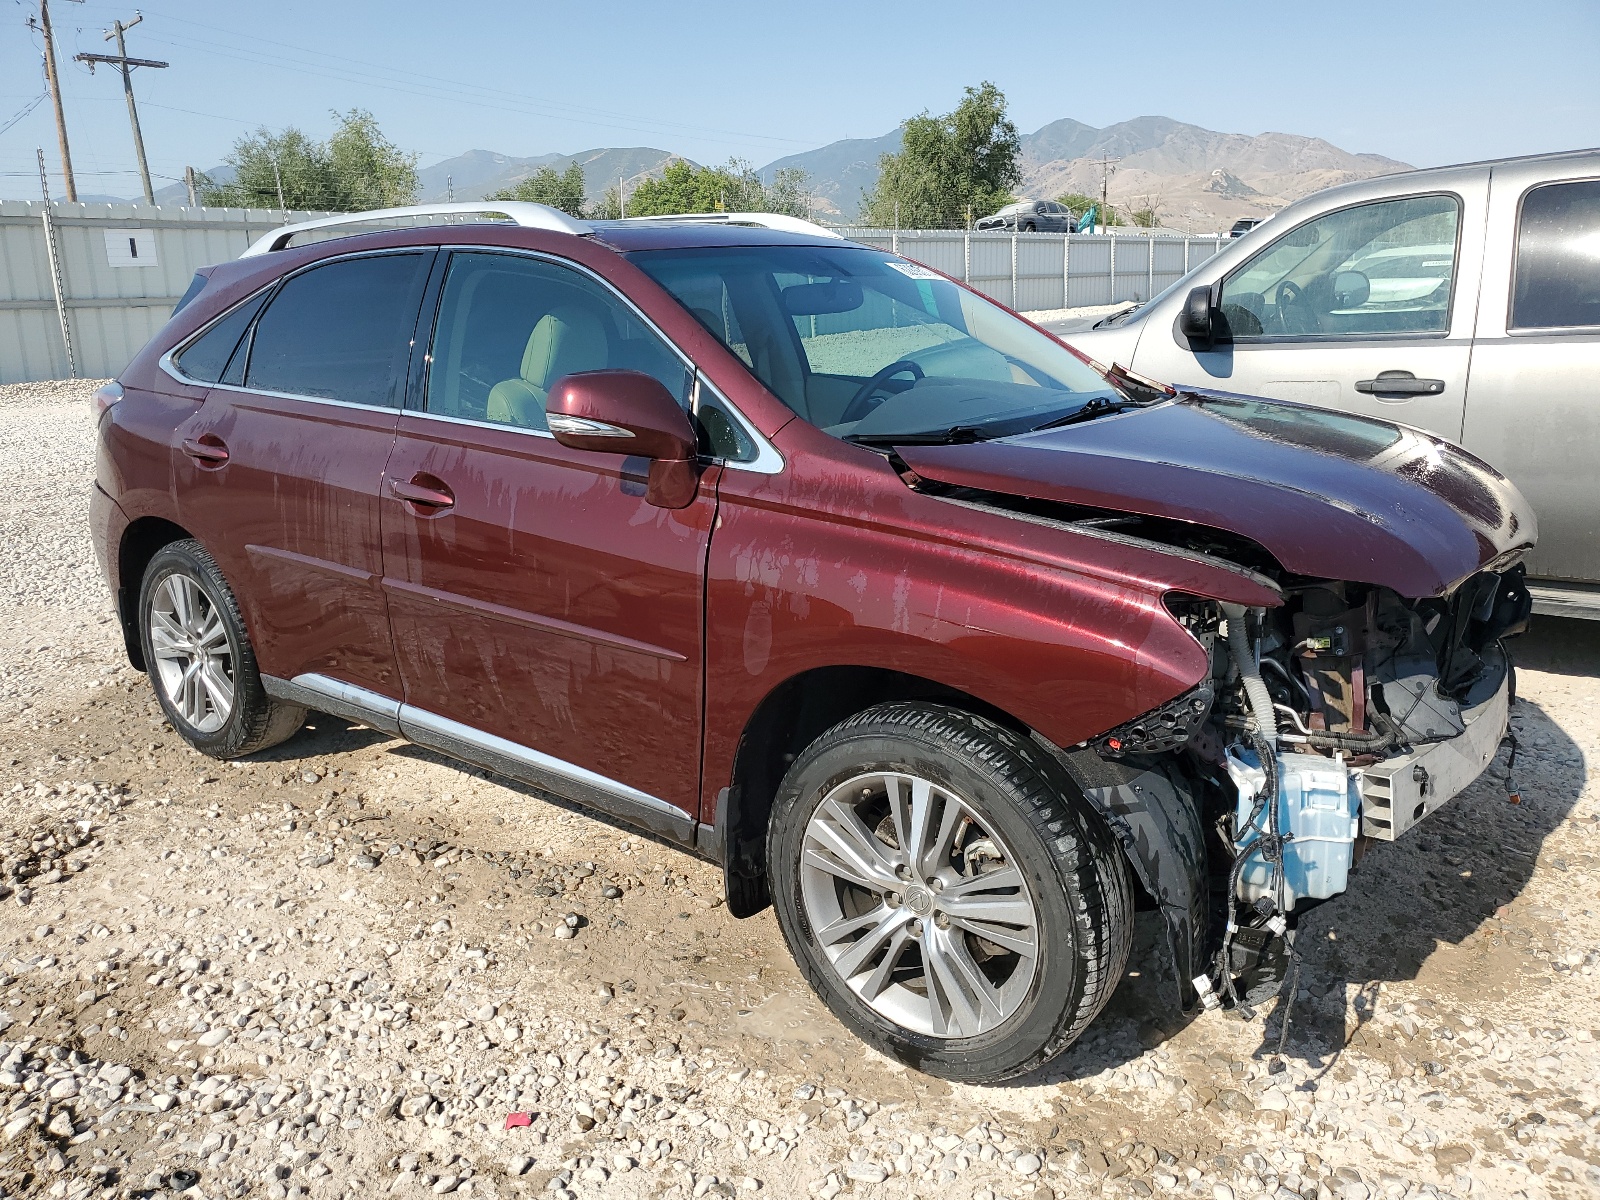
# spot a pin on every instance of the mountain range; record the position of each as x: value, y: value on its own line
x: 1194, y: 178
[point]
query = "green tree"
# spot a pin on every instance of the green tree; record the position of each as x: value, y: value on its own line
x: 684, y: 187
x: 558, y: 189
x: 356, y: 168
x: 950, y: 167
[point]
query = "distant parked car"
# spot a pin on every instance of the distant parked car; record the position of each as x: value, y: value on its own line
x: 1244, y: 225
x: 1032, y: 216
x: 1461, y: 300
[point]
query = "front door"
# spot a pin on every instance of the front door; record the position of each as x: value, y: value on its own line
x: 546, y: 617
x: 285, y: 460
x: 1533, y: 409
x: 1366, y: 309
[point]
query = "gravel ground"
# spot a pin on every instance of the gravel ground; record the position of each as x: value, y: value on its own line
x: 336, y: 970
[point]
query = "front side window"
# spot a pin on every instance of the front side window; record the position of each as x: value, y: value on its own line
x: 510, y: 326
x: 1366, y: 271
x: 340, y: 331
x: 869, y: 346
x: 1557, y: 282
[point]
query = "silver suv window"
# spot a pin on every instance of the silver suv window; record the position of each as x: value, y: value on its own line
x: 1557, y: 283
x: 1368, y: 270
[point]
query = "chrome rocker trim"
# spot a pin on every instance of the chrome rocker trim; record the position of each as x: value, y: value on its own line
x: 511, y: 759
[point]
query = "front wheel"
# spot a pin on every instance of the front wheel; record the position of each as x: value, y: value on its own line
x: 200, y: 658
x: 947, y: 891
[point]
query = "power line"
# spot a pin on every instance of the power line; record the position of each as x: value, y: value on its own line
x: 121, y: 60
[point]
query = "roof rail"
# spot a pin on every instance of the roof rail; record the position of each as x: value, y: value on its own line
x: 521, y: 212
x: 779, y: 221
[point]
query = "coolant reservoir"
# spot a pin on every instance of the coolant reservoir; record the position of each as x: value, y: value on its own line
x: 1319, y: 811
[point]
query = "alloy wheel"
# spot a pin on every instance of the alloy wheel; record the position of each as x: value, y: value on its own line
x: 918, y: 905
x: 193, y: 658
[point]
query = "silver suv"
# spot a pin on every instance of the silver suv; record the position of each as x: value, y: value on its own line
x: 1464, y: 300
x: 1032, y: 216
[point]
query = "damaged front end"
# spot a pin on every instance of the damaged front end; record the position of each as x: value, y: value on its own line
x: 1345, y: 714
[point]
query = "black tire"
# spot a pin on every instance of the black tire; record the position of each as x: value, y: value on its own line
x: 1075, y: 871
x: 1029, y: 227
x: 255, y: 720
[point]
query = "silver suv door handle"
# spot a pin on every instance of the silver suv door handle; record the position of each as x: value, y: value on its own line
x: 1399, y: 383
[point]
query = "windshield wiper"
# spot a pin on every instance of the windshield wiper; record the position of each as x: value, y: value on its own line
x: 956, y: 435
x: 1098, y: 407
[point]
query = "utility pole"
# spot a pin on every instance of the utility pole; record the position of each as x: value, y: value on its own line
x: 54, y: 80
x: 126, y: 64
x: 1107, y: 166
x: 188, y: 182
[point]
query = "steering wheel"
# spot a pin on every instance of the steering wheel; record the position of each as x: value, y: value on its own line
x: 1286, y: 297
x: 860, y: 405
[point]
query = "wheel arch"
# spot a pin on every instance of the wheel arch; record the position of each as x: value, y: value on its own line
x: 790, y: 717
x: 141, y: 541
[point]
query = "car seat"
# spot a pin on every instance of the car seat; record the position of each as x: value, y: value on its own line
x: 566, y: 339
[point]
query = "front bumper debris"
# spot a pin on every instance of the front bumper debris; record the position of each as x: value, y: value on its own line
x: 1399, y: 791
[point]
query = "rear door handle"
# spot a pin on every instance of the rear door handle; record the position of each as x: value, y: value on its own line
x: 1399, y: 383
x: 208, y: 449
x: 423, y: 496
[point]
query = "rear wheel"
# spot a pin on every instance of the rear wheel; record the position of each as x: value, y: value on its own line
x: 948, y: 891
x: 200, y: 659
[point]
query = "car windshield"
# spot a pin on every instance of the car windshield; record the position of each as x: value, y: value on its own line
x: 869, y: 346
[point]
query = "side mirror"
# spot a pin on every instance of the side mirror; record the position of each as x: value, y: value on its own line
x: 632, y: 414
x: 1199, y: 320
x: 1351, y: 289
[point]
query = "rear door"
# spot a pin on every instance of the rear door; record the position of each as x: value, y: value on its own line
x: 281, y: 466
x: 1533, y: 408
x: 1366, y: 308
x: 547, y: 618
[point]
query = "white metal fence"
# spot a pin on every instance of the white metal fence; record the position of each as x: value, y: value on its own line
x: 84, y: 286
x: 1033, y: 271
x: 114, y: 270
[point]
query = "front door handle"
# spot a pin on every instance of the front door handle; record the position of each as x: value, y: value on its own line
x: 207, y: 449
x: 1399, y: 383
x: 436, y: 498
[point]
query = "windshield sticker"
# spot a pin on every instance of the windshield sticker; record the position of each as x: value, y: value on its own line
x: 913, y: 270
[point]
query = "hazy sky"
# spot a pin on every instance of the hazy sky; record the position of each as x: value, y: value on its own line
x: 1418, y: 80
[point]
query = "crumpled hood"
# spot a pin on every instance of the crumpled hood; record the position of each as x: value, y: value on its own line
x: 1328, y: 494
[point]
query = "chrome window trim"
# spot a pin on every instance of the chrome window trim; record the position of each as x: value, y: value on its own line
x: 328, y: 400
x: 768, y: 459
x: 168, y: 361
x: 471, y: 424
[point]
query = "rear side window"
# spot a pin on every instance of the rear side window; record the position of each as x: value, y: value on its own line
x: 206, y: 358
x: 340, y: 331
x: 1557, y: 282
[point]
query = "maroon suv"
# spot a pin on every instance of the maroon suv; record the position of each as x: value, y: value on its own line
x: 952, y: 645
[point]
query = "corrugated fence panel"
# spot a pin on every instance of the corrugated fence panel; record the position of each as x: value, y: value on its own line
x: 124, y: 266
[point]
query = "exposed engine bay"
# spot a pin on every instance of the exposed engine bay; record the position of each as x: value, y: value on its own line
x: 1346, y: 714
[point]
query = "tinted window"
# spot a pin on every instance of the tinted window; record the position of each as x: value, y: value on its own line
x: 1371, y: 269
x: 1558, y: 258
x: 207, y: 356
x: 340, y: 330
x: 509, y: 327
